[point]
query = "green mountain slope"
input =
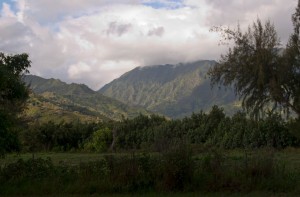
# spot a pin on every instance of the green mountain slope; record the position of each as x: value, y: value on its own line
x: 50, y: 107
x: 40, y: 85
x: 173, y: 90
x: 55, y: 100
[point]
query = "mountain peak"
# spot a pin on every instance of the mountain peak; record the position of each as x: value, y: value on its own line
x: 174, y: 90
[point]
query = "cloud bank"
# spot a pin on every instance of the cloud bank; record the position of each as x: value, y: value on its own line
x: 95, y: 41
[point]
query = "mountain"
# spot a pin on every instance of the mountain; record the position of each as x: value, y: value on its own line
x: 52, y: 99
x: 173, y: 90
x: 51, y: 107
x: 40, y: 85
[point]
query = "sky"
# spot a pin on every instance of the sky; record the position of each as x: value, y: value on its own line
x: 96, y: 41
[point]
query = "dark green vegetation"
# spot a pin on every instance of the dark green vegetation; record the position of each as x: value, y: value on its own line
x: 174, y: 170
x: 173, y: 90
x: 13, y: 95
x: 262, y: 76
x: 150, y: 154
x: 155, y: 133
x: 212, y: 129
x: 55, y: 100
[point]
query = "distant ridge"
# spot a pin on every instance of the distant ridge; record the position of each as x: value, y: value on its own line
x: 40, y: 85
x: 54, y: 100
x: 173, y: 90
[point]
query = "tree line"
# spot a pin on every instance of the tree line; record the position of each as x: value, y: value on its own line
x: 156, y: 133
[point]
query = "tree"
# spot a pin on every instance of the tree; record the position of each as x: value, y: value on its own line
x: 100, y: 140
x: 291, y: 69
x: 13, y: 94
x: 262, y: 74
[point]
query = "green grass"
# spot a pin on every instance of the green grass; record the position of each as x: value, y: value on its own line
x: 263, y: 172
x: 194, y: 194
x: 291, y: 156
x: 57, y: 158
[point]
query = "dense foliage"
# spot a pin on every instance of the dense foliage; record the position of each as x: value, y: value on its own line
x: 291, y: 68
x: 62, y: 136
x: 174, y: 170
x: 13, y: 94
x: 156, y: 133
x: 263, y: 75
x: 156, y: 155
x: 213, y: 129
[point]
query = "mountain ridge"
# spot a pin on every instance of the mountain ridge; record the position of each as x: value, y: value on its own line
x: 173, y: 90
x: 77, y: 100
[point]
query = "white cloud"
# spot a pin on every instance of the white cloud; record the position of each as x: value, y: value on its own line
x: 77, y: 70
x: 95, y: 41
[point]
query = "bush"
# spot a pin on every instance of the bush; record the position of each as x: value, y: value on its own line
x: 27, y: 170
x: 176, y: 168
x: 99, y: 141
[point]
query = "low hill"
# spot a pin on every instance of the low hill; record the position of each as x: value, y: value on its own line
x: 52, y: 99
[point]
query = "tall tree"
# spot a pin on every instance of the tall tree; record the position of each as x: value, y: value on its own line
x: 13, y: 94
x: 291, y: 69
x: 262, y: 74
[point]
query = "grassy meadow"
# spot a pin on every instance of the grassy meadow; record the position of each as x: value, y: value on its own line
x: 210, y: 172
x: 291, y: 156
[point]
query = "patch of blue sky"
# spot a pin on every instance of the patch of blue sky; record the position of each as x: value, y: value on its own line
x: 6, y: 1
x: 164, y: 4
x: 11, y: 3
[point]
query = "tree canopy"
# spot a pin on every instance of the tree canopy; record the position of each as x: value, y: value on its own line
x: 13, y: 94
x: 263, y: 75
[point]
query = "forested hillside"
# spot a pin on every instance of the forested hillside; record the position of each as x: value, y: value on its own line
x: 52, y: 99
x: 172, y: 90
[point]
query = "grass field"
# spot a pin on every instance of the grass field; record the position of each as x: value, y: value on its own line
x: 119, y: 181
x: 57, y: 158
x: 194, y: 194
x: 291, y: 156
